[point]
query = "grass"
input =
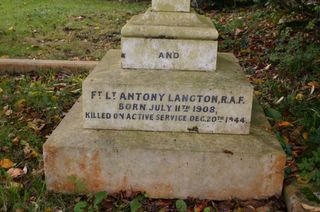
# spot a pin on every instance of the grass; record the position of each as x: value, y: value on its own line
x: 63, y: 29
x: 31, y: 106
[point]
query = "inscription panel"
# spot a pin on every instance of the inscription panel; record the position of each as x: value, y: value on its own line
x: 171, y: 5
x: 146, y: 53
x: 159, y: 109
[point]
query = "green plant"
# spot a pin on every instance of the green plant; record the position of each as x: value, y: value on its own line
x: 92, y: 203
x: 181, y: 205
x: 309, y: 195
x: 310, y: 167
x: 296, y: 57
x: 135, y: 204
x: 304, y: 14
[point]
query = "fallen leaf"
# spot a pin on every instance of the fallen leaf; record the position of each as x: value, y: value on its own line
x: 15, y: 172
x: 37, y: 125
x: 81, y: 17
x: 20, y: 104
x: 279, y: 100
x: 302, y: 179
x: 313, y: 84
x: 310, y: 207
x: 6, y: 163
x: 267, y: 67
x: 284, y: 124
x: 238, y: 31
x: 1, y: 90
x: 8, y: 112
x: 29, y: 152
x: 312, y: 90
x: 16, y: 141
x: 257, y: 80
x: 11, y: 29
x: 299, y: 97
x: 286, y: 139
x: 258, y: 93
x: 305, y: 136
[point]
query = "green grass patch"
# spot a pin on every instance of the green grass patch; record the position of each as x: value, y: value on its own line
x: 31, y: 106
x: 77, y: 29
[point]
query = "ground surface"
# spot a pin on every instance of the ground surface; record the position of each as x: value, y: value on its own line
x: 282, y: 64
x: 73, y: 30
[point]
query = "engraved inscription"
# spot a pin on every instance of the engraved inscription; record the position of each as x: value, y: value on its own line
x: 169, y: 55
x: 169, y: 107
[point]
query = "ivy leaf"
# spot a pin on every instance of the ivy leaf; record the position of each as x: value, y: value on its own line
x: 135, y: 203
x: 207, y: 209
x: 100, y: 196
x: 306, y: 165
x: 80, y: 206
x: 181, y: 205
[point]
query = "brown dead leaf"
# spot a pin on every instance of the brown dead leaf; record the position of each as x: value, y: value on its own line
x: 29, y: 152
x: 15, y: 172
x: 305, y: 136
x: 6, y: 163
x: 267, y: 67
x: 302, y: 179
x: 16, y: 141
x: 285, y: 124
x: 286, y: 139
x: 37, y: 125
x: 257, y: 80
x: 299, y: 97
x: 238, y: 31
x: 20, y: 104
x: 8, y: 112
x: 258, y: 93
x: 310, y: 208
x: 313, y: 84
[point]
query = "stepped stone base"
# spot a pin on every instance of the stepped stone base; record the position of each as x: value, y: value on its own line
x: 163, y: 164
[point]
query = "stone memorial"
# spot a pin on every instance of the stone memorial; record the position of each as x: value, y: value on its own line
x: 167, y: 115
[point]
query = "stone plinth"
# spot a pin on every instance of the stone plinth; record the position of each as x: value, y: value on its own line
x: 169, y: 40
x: 152, y: 100
x: 164, y: 165
x: 171, y: 5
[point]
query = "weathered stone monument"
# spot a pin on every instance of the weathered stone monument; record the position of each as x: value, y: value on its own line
x: 167, y: 115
